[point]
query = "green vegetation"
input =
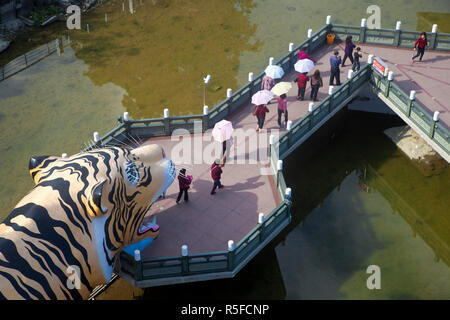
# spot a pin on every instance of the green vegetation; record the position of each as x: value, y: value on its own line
x: 40, y: 16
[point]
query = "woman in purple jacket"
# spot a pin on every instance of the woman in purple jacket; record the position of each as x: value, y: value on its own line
x: 184, y: 182
x: 348, y: 52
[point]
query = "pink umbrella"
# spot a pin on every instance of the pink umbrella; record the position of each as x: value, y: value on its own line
x: 222, y: 130
x: 262, y: 97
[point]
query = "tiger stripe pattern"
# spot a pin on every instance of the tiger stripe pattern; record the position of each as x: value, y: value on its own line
x: 82, y: 211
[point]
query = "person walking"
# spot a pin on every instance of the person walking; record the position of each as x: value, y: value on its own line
x: 303, y: 55
x: 335, y: 62
x: 302, y: 80
x: 267, y: 83
x: 420, y: 44
x: 316, y: 83
x: 282, y: 108
x: 356, y: 65
x: 348, y: 51
x: 184, y: 183
x: 260, y: 113
x: 216, y: 174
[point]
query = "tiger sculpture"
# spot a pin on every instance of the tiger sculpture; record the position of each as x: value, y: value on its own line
x: 82, y: 211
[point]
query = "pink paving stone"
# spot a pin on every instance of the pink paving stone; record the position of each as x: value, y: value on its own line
x: 207, y: 222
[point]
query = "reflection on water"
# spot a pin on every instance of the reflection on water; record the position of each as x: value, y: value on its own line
x: 153, y: 59
x: 49, y: 111
x: 327, y: 258
x: 160, y: 54
x: 363, y: 202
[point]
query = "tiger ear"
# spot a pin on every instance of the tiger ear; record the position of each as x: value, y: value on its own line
x: 95, y: 208
x: 36, y: 165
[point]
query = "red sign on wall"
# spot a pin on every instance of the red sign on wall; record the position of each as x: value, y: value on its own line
x: 379, y: 65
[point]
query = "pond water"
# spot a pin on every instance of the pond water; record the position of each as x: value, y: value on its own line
x: 156, y: 59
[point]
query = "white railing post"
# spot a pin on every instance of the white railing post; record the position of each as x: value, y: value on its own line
x: 436, y: 116
x: 250, y: 76
x: 330, y: 90
x: 289, y: 125
x: 291, y: 47
x: 261, y: 218
x: 350, y: 74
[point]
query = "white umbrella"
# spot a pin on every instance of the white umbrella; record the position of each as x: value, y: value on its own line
x: 275, y: 72
x: 222, y: 130
x: 262, y: 97
x: 304, y: 65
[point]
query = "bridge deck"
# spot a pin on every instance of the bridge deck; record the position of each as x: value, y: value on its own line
x: 430, y: 78
x: 207, y: 222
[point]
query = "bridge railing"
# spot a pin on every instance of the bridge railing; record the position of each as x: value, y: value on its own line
x: 158, y: 127
x: 211, y: 262
x: 413, y: 110
x: 216, y: 262
x: 391, y: 37
x: 31, y: 57
x: 327, y: 106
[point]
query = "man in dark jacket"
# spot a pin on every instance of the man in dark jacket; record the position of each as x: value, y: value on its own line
x: 184, y: 183
x: 216, y: 174
x: 335, y: 62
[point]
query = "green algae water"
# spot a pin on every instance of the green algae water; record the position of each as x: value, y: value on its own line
x: 156, y: 59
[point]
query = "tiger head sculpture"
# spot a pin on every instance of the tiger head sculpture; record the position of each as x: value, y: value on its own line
x: 82, y: 212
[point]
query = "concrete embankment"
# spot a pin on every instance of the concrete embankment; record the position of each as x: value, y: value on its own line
x: 417, y: 149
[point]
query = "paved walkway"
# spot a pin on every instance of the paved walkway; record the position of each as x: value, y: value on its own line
x: 207, y: 222
x: 430, y: 78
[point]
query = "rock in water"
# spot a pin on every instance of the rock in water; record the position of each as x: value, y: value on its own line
x: 417, y: 149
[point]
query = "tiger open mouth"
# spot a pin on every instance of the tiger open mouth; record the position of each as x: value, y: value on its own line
x: 150, y: 225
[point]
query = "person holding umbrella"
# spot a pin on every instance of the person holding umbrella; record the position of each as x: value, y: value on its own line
x: 222, y: 132
x: 280, y: 89
x: 302, y: 80
x: 303, y: 66
x: 303, y: 55
x: 273, y: 72
x: 260, y: 113
x: 260, y: 99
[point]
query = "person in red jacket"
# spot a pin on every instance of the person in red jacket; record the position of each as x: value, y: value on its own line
x: 420, y: 44
x: 302, y: 80
x: 184, y: 183
x: 260, y: 113
x: 216, y: 174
